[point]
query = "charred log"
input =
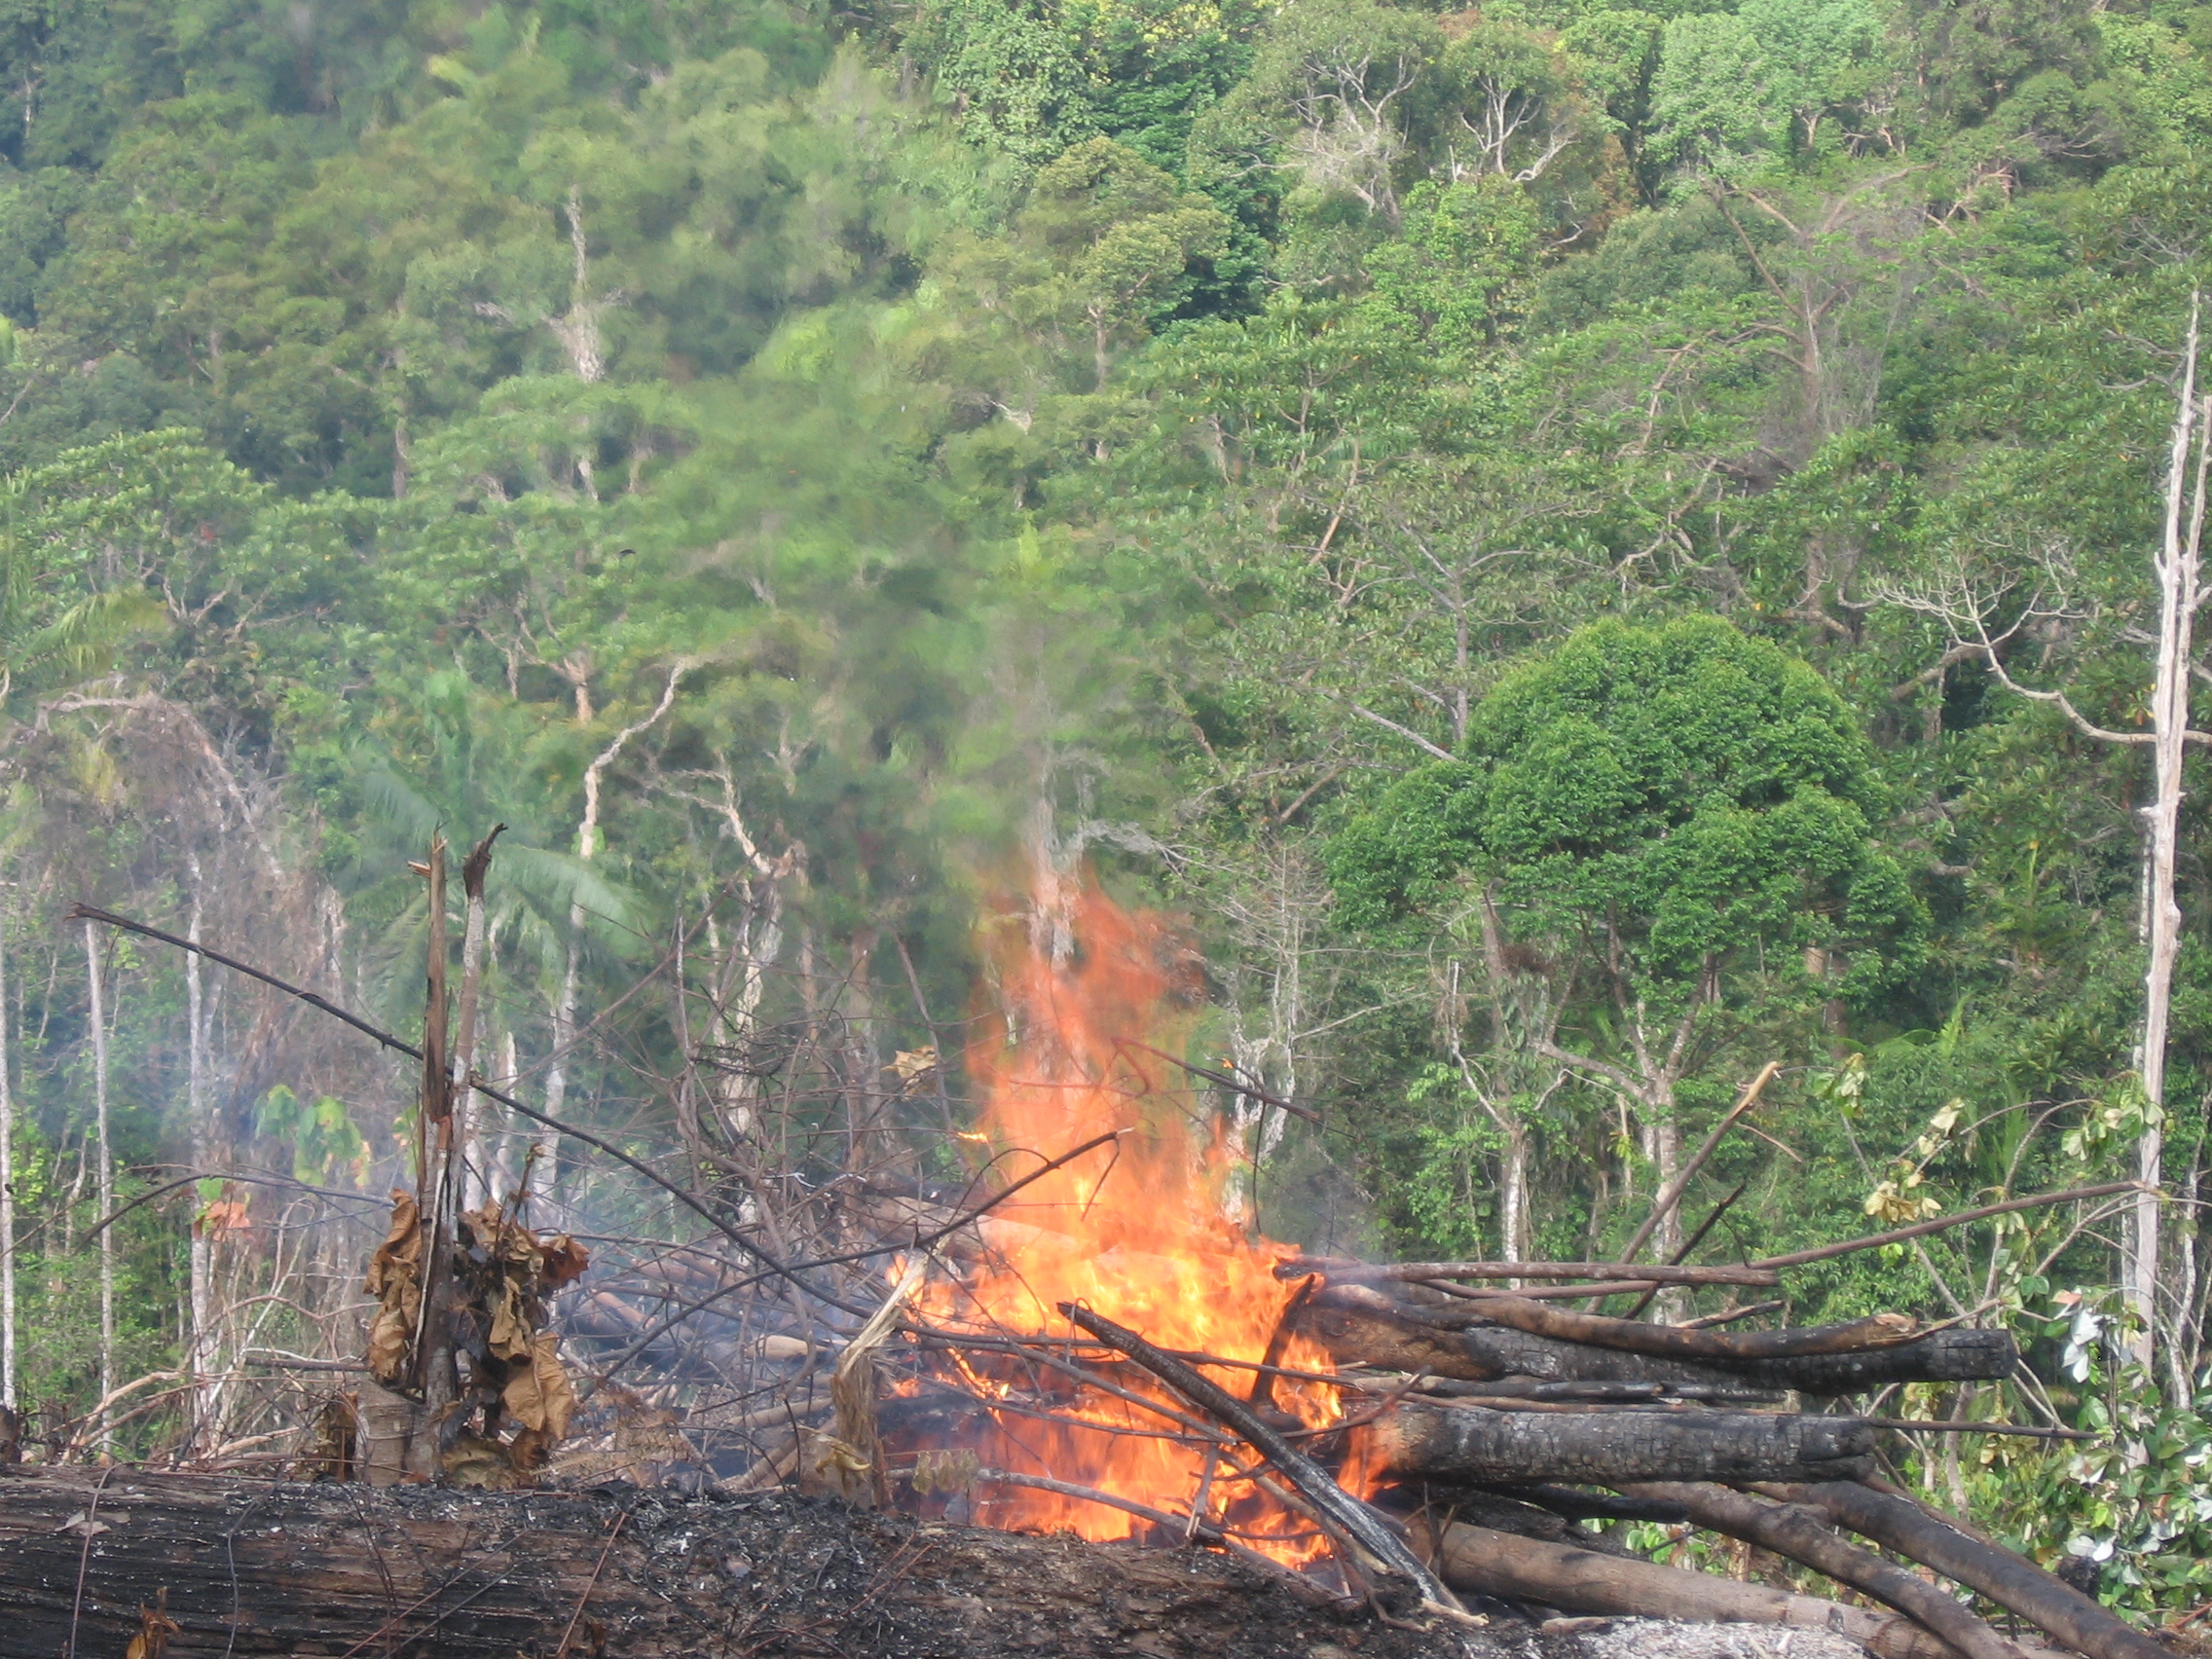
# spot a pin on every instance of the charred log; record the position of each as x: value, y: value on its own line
x: 2011, y: 1582
x: 1363, y: 1328
x: 1475, y: 1445
x: 1690, y: 1341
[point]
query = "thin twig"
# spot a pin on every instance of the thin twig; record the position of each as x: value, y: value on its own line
x: 568, y: 1633
x: 1690, y: 1245
x: 1672, y: 1194
x: 1919, y: 1230
x: 89, y: 1528
x: 1961, y: 1426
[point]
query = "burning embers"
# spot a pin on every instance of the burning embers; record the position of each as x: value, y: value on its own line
x: 1137, y: 1227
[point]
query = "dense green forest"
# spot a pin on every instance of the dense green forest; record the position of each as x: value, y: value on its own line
x: 1580, y: 549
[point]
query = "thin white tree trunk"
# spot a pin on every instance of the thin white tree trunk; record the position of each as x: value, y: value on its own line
x: 106, y: 1172
x: 587, y: 848
x: 502, y: 1155
x: 200, y: 1359
x: 1513, y: 1194
x: 544, y: 1162
x: 6, y: 1204
x: 2178, y: 568
x: 1666, y: 1157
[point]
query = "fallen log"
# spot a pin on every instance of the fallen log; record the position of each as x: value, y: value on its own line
x: 1573, y: 1503
x: 1362, y: 1327
x: 1481, y: 1562
x: 1602, y: 1393
x: 255, y: 1567
x: 1801, y: 1534
x: 2012, y: 1582
x: 1690, y: 1341
x: 1346, y: 1272
x: 1479, y: 1446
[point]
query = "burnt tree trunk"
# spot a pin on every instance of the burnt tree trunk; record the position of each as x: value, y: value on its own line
x: 250, y: 1567
x: 2010, y: 1582
x: 1478, y: 1445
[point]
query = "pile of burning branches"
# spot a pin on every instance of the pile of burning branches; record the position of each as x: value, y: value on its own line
x: 1083, y: 1339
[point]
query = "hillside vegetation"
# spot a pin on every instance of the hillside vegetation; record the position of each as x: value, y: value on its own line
x: 1545, y: 533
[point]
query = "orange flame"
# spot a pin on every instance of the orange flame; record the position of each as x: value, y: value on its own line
x: 1137, y: 1230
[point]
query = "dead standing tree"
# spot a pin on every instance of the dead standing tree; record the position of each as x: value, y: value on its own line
x: 2046, y: 607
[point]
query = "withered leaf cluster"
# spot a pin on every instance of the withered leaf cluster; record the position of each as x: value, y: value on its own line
x: 395, y: 1280
x: 507, y: 1270
x: 501, y: 1273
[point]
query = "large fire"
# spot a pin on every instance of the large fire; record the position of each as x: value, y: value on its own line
x: 1136, y: 1230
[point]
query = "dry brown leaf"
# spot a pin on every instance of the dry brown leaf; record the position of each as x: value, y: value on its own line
x: 511, y: 1330
x: 400, y: 1254
x: 915, y: 1068
x: 390, y: 1333
x: 155, y: 1628
x: 395, y: 1280
x: 498, y: 1235
x: 225, y: 1215
x: 565, y: 1260
x: 837, y: 1463
x: 540, y: 1395
x: 528, y: 1450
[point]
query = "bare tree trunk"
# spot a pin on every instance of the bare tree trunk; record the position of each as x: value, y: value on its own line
x: 1667, y: 1156
x: 474, y: 1182
x: 437, y: 1372
x: 1513, y: 1192
x: 199, y: 1363
x: 7, y: 1202
x: 545, y: 1149
x: 578, y: 331
x: 1662, y: 1139
x: 587, y: 848
x: 106, y: 1172
x: 2178, y: 567
x: 502, y: 1170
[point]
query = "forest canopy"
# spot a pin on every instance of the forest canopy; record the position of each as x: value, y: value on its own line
x: 1579, y: 549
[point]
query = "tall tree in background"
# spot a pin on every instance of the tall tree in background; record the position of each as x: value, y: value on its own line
x: 2179, y: 567
x: 1989, y: 622
x: 1658, y: 817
